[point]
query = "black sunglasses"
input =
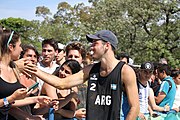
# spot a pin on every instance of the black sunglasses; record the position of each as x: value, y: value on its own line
x: 59, y: 50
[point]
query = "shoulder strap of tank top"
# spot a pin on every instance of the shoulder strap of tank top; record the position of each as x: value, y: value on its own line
x: 95, y: 67
x: 120, y: 65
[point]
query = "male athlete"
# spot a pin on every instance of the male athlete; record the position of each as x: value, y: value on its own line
x: 105, y: 80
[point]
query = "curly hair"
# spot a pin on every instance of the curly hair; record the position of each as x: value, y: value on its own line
x: 76, y: 46
x: 26, y: 47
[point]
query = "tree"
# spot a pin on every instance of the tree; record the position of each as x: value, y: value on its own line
x: 147, y: 30
x: 159, y: 21
x: 42, y: 11
x: 27, y: 29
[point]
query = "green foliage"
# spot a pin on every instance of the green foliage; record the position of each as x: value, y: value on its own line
x: 146, y: 29
x: 27, y: 29
x: 42, y: 11
x: 17, y: 24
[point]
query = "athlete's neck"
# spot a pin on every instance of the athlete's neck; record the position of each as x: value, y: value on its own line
x: 48, y: 64
x: 107, y: 66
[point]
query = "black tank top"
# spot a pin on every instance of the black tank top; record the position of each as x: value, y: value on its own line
x: 103, y: 97
x: 7, y: 89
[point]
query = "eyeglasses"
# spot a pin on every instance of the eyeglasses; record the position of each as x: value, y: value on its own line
x: 10, y: 38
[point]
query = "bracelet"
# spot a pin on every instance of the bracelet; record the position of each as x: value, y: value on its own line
x: 6, y: 103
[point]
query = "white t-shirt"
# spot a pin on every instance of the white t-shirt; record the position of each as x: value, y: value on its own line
x: 176, y: 103
x: 49, y: 70
x: 144, y: 92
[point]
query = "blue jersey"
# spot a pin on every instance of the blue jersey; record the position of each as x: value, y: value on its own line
x: 170, y: 95
x: 124, y: 107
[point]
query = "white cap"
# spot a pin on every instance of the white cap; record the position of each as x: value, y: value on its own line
x: 131, y: 61
x: 60, y: 46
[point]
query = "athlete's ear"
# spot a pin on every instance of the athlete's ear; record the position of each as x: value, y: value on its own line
x: 108, y: 44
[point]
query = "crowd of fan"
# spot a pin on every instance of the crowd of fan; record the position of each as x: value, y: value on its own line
x: 158, y: 88
x: 158, y: 84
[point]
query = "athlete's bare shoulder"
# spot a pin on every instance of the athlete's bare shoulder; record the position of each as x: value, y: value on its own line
x: 86, y: 70
x: 127, y: 73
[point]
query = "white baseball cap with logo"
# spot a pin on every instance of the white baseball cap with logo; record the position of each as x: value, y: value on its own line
x: 61, y: 46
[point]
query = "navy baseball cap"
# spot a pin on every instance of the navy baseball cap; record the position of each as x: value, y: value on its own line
x: 104, y: 35
x: 147, y: 66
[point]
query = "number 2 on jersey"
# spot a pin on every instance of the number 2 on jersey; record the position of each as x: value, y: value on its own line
x: 93, y: 86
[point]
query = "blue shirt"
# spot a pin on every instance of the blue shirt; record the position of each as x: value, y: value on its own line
x: 124, y: 106
x: 169, y: 99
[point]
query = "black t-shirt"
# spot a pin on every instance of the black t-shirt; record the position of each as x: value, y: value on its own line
x: 103, y: 97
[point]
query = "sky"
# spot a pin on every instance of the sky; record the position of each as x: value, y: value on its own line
x: 26, y: 8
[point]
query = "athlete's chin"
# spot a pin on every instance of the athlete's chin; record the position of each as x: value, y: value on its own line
x: 96, y: 58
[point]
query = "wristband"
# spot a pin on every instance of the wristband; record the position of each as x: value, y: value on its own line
x: 6, y: 103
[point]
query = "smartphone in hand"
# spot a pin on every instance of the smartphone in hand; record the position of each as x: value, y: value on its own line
x: 34, y: 86
x: 154, y: 115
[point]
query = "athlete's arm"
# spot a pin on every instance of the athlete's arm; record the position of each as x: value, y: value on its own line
x: 50, y: 91
x: 129, y: 80
x: 60, y: 83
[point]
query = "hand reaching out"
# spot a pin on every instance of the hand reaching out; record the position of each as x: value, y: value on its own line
x: 30, y: 69
x: 47, y: 101
x: 80, y: 113
x: 141, y: 116
x: 21, y: 63
x: 55, y: 104
x: 166, y: 107
x: 44, y: 100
